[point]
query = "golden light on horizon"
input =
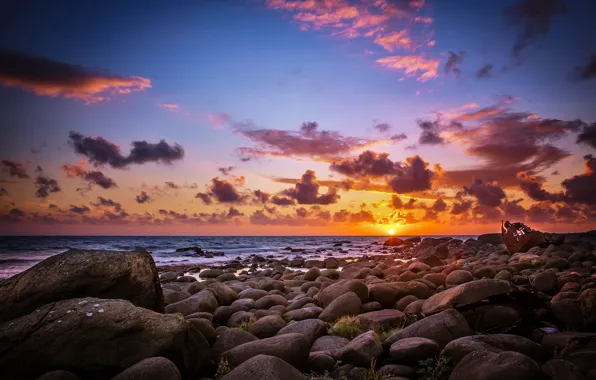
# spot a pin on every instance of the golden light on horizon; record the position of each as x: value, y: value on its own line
x: 391, y: 232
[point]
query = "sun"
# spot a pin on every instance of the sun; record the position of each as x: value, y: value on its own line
x: 391, y: 232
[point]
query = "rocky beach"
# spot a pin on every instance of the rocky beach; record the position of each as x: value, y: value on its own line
x: 431, y: 308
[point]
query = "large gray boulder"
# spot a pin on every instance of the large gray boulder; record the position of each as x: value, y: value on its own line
x: 412, y: 350
x: 97, y: 339
x: 485, y: 365
x: 203, y: 301
x: 333, y: 291
x: 83, y: 273
x: 362, y: 350
x: 346, y: 304
x: 386, y: 318
x: 312, y: 329
x: 330, y: 344
x: 150, y: 369
x: 466, y: 294
x: 264, y: 367
x: 442, y: 328
x: 267, y: 326
x: 230, y: 338
x: 292, y: 348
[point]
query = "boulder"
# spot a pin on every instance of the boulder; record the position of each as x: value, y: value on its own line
x: 361, y: 350
x: 491, y: 316
x: 264, y: 367
x: 320, y: 362
x: 270, y: 301
x: 312, y: 329
x: 267, y: 327
x: 466, y: 294
x: 203, y: 301
x: 239, y: 317
x: 59, y: 375
x: 223, y: 313
x: 211, y: 273
x: 223, y: 293
x: 412, y: 350
x: 387, y: 293
x: 229, y: 338
x: 293, y: 348
x: 458, y: 277
x: 254, y: 294
x: 545, y: 282
x: 459, y: 348
x: 83, y: 273
x: 494, y: 239
x: 442, y: 328
x: 205, y: 328
x: 486, y: 365
x: 333, y: 291
x: 329, y: 343
x: 559, y: 369
x: 386, y: 318
x: 393, y: 242
x: 312, y: 274
x: 346, y: 304
x: 150, y: 369
x: 308, y: 312
x: 97, y: 339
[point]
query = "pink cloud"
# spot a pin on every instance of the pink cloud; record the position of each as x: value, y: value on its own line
x: 219, y: 120
x: 412, y: 65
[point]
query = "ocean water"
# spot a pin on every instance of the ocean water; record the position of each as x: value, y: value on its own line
x: 18, y: 253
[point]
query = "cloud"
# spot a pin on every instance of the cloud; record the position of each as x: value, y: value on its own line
x: 439, y: 205
x: 225, y: 192
x: 47, y: 77
x: 309, y: 142
x: 99, y: 151
x: 345, y: 216
x: 261, y: 197
x: 367, y: 164
x: 413, y: 66
x: 453, y: 63
x: 3, y: 192
x: 45, y: 186
x: 259, y: 217
x: 394, y: 40
x: 15, y: 215
x: 15, y: 169
x: 588, y: 135
x: 219, y: 120
x: 226, y: 170
x: 485, y: 71
x: 172, y: 185
x: 580, y: 188
x: 206, y: 198
x: 486, y: 193
x: 79, y: 209
x: 398, y: 138
x: 413, y: 175
x: 461, y: 207
x: 382, y: 127
x: 170, y: 106
x: 103, y: 202
x: 306, y: 191
x: 532, y: 187
x: 533, y: 18
x: 80, y: 170
x: 143, y: 197
x: 588, y: 71
x: 282, y: 201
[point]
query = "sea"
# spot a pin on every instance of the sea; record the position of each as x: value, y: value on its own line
x: 18, y: 253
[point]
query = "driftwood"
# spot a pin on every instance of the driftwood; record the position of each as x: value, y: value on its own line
x: 520, y: 238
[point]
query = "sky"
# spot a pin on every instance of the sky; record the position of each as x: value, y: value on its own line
x: 297, y: 117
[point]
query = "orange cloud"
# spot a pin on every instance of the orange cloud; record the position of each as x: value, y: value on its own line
x: 412, y: 65
x: 395, y: 40
x: 47, y: 77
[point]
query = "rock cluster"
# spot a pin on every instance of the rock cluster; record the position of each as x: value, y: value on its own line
x: 425, y: 309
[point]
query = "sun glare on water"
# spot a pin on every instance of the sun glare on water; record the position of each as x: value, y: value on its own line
x: 391, y: 232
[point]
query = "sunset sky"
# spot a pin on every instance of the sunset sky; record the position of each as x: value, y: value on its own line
x: 297, y: 117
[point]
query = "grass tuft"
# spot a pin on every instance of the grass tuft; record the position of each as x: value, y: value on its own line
x: 245, y: 325
x: 223, y: 368
x: 347, y: 327
x: 435, y: 368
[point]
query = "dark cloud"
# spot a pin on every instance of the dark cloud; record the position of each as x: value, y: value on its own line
x: 396, y: 202
x: 91, y: 176
x: 588, y: 71
x: 588, y: 135
x: 413, y: 175
x: 206, y: 198
x: 225, y: 192
x: 398, y: 138
x: 261, y: 196
x: 580, y: 188
x: 99, y: 151
x: 103, y: 202
x: 52, y: 78
x: 38, y: 169
x: 453, y: 63
x: 534, y: 18
x: 260, y: 218
x: 15, y: 169
x: 345, y: 216
x: 143, y: 197
x: 382, y: 127
x: 15, y: 215
x: 282, y: 201
x: 532, y: 187
x: 431, y: 130
x: 172, y: 185
x: 461, y: 207
x: 79, y: 209
x: 439, y: 205
x: 45, y: 186
x: 306, y: 191
x: 226, y: 170
x: 487, y: 194
x: 485, y: 71
x: 430, y: 138
x: 367, y: 164
x: 309, y: 142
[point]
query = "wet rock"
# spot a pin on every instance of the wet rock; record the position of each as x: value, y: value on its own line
x: 264, y: 367
x: 333, y: 291
x: 331, y: 263
x: 386, y: 293
x: 203, y: 301
x: 229, y: 338
x: 466, y: 294
x: 267, y: 327
x: 361, y: 350
x: 254, y: 294
x: 485, y: 365
x: 292, y: 348
x: 211, y: 273
x: 312, y: 329
x: 412, y: 350
x: 149, y: 369
x: 346, y: 304
x: 442, y: 328
x: 83, y: 273
x: 96, y: 339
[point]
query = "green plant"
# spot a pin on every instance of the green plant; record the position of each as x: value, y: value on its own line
x: 372, y: 372
x: 384, y: 332
x: 287, y: 318
x: 245, y: 325
x: 223, y: 368
x: 435, y: 368
x: 409, y: 319
x: 347, y: 327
